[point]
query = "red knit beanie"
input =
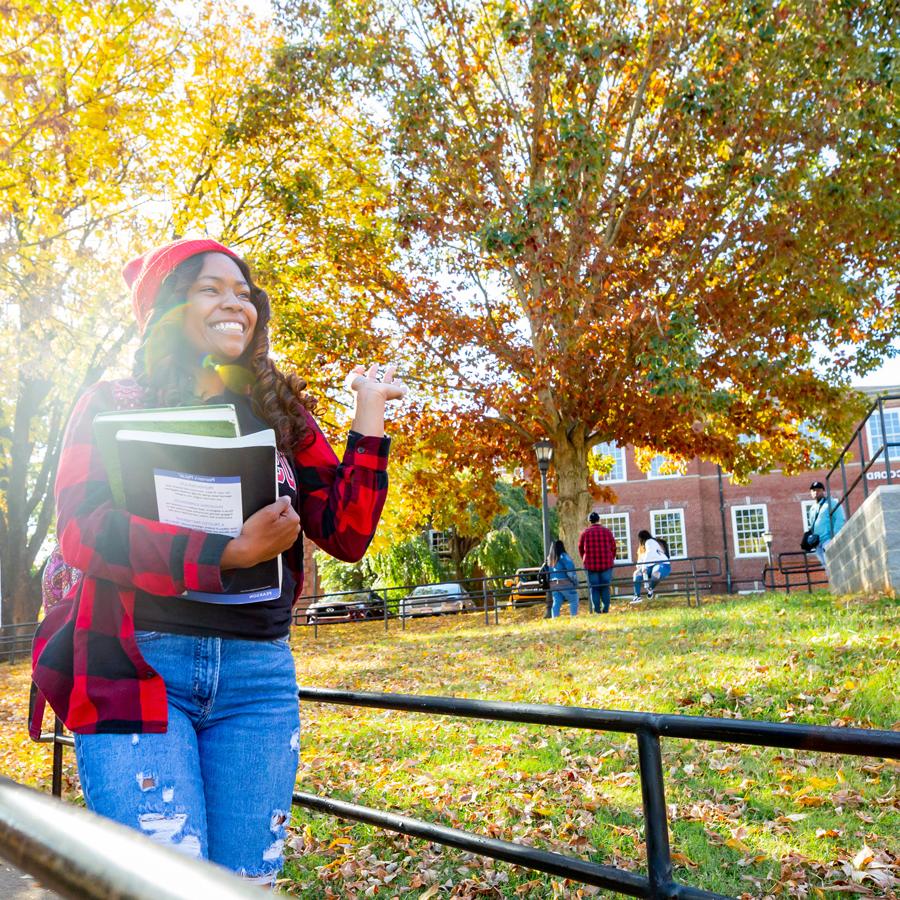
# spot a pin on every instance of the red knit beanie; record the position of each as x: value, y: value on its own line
x: 146, y: 273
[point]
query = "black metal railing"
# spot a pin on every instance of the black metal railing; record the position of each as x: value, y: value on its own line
x: 15, y: 641
x: 857, y: 444
x: 795, y: 569
x: 690, y: 576
x: 81, y: 855
x: 648, y: 728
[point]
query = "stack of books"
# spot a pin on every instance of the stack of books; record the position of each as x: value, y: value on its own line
x: 190, y: 466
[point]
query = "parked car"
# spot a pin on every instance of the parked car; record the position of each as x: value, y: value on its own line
x: 354, y: 607
x: 436, y: 600
x: 528, y: 586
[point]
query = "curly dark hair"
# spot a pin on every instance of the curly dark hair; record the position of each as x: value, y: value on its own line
x: 165, y: 364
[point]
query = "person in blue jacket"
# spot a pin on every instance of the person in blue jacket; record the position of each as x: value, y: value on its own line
x: 826, y: 520
x: 563, y: 580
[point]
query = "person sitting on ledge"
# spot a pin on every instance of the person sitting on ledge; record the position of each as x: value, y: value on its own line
x: 653, y: 564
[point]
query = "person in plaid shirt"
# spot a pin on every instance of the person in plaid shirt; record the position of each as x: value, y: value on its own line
x: 597, y: 547
x: 185, y: 713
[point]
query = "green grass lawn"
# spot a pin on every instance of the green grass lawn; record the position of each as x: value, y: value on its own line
x: 745, y: 821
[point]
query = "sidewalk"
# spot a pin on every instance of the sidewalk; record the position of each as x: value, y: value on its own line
x: 16, y: 885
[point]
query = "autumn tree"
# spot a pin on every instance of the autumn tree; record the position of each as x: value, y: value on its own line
x: 125, y: 125
x: 79, y: 84
x: 116, y: 136
x: 657, y: 224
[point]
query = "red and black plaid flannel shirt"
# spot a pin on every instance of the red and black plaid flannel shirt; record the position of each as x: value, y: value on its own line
x: 597, y: 547
x: 86, y: 663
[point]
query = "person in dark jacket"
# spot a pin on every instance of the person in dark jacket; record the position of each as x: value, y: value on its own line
x: 185, y: 713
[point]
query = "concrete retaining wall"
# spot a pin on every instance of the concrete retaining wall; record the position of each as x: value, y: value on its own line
x: 865, y: 554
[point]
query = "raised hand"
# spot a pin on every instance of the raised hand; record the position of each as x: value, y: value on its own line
x: 362, y: 380
x: 371, y: 396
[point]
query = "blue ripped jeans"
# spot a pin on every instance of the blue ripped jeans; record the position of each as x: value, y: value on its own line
x: 217, y: 785
x: 655, y: 572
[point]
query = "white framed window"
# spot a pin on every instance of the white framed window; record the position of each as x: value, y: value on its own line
x: 618, y: 524
x: 617, y: 473
x: 891, y: 431
x: 808, y: 508
x: 439, y: 541
x: 669, y: 524
x: 749, y: 524
x: 658, y: 462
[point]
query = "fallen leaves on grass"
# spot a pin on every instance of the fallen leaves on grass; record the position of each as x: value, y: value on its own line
x: 744, y: 820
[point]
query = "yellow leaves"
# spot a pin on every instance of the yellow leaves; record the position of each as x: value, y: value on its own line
x: 340, y: 842
x: 820, y: 784
x: 79, y: 102
x: 735, y: 844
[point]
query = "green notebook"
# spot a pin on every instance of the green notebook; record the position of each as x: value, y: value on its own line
x: 216, y: 420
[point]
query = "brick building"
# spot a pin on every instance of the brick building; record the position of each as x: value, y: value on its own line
x: 701, y: 513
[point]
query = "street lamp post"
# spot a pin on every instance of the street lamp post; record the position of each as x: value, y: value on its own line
x: 768, y: 537
x: 543, y: 450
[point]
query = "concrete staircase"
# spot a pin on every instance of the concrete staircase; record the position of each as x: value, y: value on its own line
x: 865, y: 554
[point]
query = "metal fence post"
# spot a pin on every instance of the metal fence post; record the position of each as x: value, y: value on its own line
x: 884, y: 441
x: 846, y: 501
x: 862, y: 463
x: 484, y: 598
x: 656, y: 825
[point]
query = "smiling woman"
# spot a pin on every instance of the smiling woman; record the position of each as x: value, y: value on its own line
x: 219, y: 316
x: 185, y: 713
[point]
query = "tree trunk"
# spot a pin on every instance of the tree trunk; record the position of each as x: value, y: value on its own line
x: 459, y: 548
x: 26, y: 477
x: 18, y: 554
x: 573, y: 497
x: 21, y: 598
